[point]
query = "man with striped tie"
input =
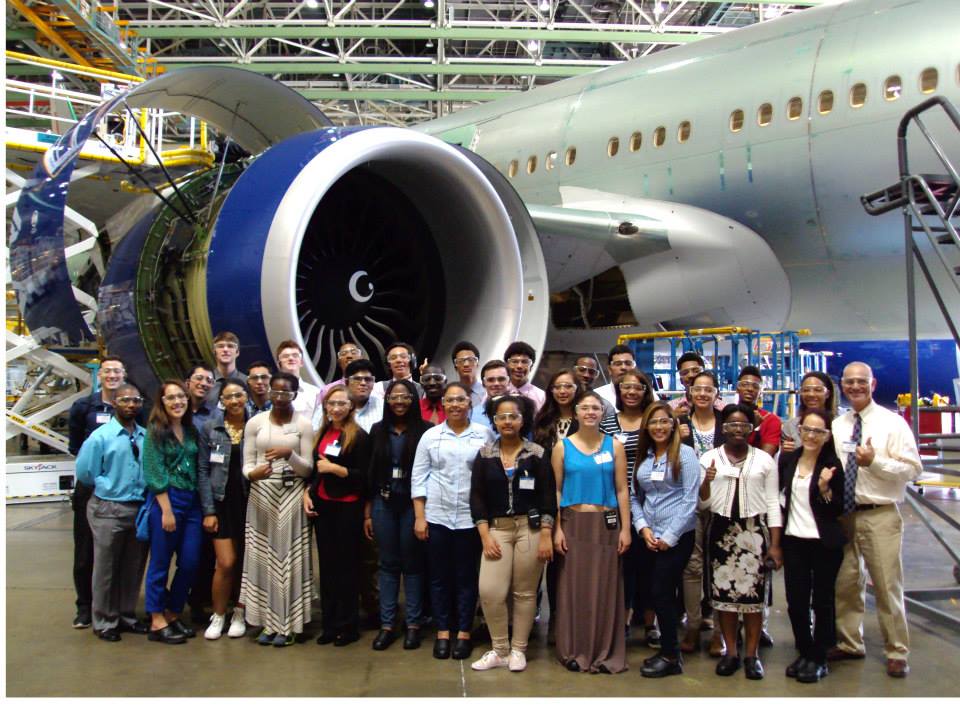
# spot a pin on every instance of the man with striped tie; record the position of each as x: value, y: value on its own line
x: 879, y: 457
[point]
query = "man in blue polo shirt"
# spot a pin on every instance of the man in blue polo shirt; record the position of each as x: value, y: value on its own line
x: 109, y: 461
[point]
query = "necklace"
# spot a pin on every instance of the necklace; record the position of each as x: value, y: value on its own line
x: 236, y: 434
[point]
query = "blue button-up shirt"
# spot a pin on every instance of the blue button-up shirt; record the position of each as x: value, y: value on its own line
x: 107, y: 462
x: 442, y: 471
x: 669, y: 507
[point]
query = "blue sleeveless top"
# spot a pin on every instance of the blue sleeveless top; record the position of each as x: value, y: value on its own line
x: 588, y: 478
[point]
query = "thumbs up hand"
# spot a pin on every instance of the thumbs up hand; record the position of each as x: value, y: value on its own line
x: 711, y: 471
x: 866, y: 454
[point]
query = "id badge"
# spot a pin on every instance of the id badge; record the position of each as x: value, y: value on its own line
x: 217, y: 456
x: 657, y: 475
x: 103, y: 417
x: 333, y: 450
x: 730, y: 472
x: 848, y: 446
x: 526, y: 482
x: 397, y: 473
x: 610, y: 518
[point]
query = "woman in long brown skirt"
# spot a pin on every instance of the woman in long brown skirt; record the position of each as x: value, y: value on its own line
x: 590, y: 536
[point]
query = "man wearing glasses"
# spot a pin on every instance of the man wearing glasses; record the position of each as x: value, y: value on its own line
x: 879, y: 455
x: 86, y: 415
x: 619, y: 360
x: 766, y: 436
x: 689, y: 365
x: 466, y: 361
x: 496, y: 382
x: 226, y: 348
x: 367, y: 408
x: 586, y: 371
x: 258, y: 382
x: 431, y: 404
x: 347, y: 353
x: 401, y: 359
x: 199, y: 383
x: 520, y: 358
x: 109, y: 464
x: 290, y: 360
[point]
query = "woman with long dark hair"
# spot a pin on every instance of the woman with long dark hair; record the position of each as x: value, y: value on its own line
x: 389, y: 513
x: 817, y: 392
x: 811, y: 479
x: 170, y: 472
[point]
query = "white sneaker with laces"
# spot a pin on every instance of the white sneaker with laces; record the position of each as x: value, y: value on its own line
x: 238, y: 628
x: 489, y: 661
x: 215, y: 628
x: 517, y: 661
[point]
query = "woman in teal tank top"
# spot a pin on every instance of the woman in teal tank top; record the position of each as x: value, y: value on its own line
x: 591, y: 533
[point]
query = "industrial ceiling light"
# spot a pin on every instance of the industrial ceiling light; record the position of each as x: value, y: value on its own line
x: 312, y: 4
x: 544, y: 5
x: 429, y: 43
x: 533, y: 45
x: 428, y: 4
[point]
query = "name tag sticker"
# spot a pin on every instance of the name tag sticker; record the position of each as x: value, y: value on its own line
x: 526, y: 482
x: 730, y: 472
x: 103, y: 417
x: 216, y: 456
x: 602, y: 458
x: 333, y: 450
x: 848, y: 446
x: 657, y: 475
x: 397, y: 473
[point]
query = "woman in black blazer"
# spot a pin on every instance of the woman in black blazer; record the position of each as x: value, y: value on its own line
x: 335, y: 501
x: 811, y: 481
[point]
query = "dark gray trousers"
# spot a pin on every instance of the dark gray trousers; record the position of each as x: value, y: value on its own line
x: 118, y: 562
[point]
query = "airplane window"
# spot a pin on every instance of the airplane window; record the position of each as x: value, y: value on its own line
x: 764, y: 114
x: 531, y: 164
x: 892, y: 88
x: 928, y: 80
x: 613, y: 146
x: 551, y: 160
x: 636, y: 140
x: 825, y: 102
x: 659, y: 136
x: 736, y: 121
x: 794, y: 108
x: 512, y: 168
x: 858, y: 95
x: 683, y: 132
x: 571, y: 156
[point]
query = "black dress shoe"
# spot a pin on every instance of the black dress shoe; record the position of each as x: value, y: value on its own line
x: 326, y: 638
x: 82, y: 620
x: 572, y: 665
x: 137, y: 628
x: 384, y: 639
x: 752, y: 668
x: 793, y: 667
x: 110, y: 634
x: 811, y: 671
x: 185, y: 630
x: 441, y: 648
x: 345, y: 638
x: 728, y: 665
x: 411, y: 641
x: 462, y: 648
x: 661, y: 666
x: 765, y: 639
x: 167, y: 634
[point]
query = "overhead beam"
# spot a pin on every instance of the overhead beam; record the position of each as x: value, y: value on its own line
x: 48, y: 32
x: 372, y: 68
x: 405, y: 95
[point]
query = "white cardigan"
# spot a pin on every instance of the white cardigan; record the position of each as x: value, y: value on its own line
x: 759, y: 486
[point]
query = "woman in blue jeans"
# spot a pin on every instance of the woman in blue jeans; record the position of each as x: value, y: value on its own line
x: 170, y: 472
x: 388, y: 515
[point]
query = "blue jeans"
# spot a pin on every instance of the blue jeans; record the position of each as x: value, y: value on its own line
x: 400, y: 553
x: 184, y: 542
x: 454, y: 559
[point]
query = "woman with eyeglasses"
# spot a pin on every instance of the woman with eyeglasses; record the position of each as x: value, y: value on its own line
x: 440, y: 488
x: 513, y: 503
x: 740, y: 487
x: 591, y: 533
x: 811, y: 480
x: 277, y: 580
x: 704, y: 432
x: 664, y: 509
x: 335, y: 501
x: 170, y: 473
x: 389, y: 516
x: 817, y: 392
x: 223, y: 496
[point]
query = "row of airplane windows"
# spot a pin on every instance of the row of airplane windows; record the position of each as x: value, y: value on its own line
x: 857, y: 97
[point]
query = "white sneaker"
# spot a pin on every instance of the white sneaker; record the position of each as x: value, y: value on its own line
x: 489, y: 661
x: 238, y: 628
x: 215, y: 628
x: 517, y: 661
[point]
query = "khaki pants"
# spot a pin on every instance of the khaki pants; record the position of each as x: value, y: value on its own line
x: 693, y: 574
x: 517, y: 571
x: 875, y: 539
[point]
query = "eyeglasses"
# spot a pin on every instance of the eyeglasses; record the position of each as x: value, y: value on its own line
x: 563, y: 386
x: 290, y: 355
x: 632, y: 387
x: 520, y: 362
x: 130, y: 400
x: 260, y: 377
x: 737, y: 427
x: 283, y: 394
x: 405, y: 397
x: 112, y: 371
x: 703, y: 390
x: 433, y: 377
x: 587, y: 370
x: 338, y: 403
x: 813, y: 390
x: 202, y: 379
x: 225, y: 346
x: 814, y: 432
x: 398, y: 357
x: 855, y: 382
x: 623, y: 364
x: 507, y: 416
x: 174, y: 398
x: 590, y: 408
x: 749, y: 385
x: 349, y: 352
x: 495, y: 379
x: 133, y: 448
x: 660, y: 422
x: 456, y: 400
x: 234, y: 395
x: 466, y: 361
x: 690, y: 371
x: 362, y: 379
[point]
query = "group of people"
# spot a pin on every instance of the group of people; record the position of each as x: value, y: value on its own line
x: 469, y: 489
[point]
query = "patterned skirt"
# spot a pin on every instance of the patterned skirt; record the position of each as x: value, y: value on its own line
x: 738, y: 579
x: 277, y: 584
